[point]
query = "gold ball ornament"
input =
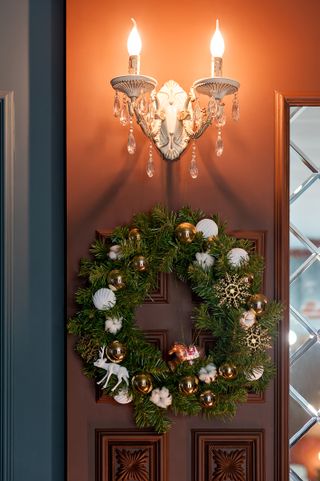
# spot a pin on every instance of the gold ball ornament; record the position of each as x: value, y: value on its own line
x: 207, y: 399
x: 142, y: 383
x: 258, y: 303
x: 135, y: 235
x: 228, y: 371
x: 116, y: 352
x: 185, y: 232
x: 140, y: 263
x: 116, y: 280
x: 188, y: 385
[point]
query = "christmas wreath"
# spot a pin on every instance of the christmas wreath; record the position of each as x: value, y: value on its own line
x: 224, y: 273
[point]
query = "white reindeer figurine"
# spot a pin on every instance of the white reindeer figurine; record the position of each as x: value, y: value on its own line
x: 112, y: 368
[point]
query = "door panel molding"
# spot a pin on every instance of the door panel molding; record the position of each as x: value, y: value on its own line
x: 6, y: 262
x: 283, y: 102
x: 235, y: 454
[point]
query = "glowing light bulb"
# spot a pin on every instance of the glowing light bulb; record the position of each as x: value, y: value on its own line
x: 217, y: 43
x: 217, y: 50
x: 134, y: 43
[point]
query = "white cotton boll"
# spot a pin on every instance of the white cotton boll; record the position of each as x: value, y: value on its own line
x: 161, y: 397
x: 115, y: 252
x: 208, y: 227
x: 104, y: 299
x: 208, y: 373
x: 237, y: 256
x: 113, y: 324
x: 204, y: 260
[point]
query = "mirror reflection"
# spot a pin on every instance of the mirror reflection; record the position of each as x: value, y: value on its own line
x: 304, y: 335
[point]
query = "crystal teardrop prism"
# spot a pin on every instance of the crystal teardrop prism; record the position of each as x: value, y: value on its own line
x: 131, y: 143
x: 116, y: 105
x: 142, y: 104
x: 124, y: 115
x: 193, y: 169
x: 219, y: 145
x: 235, y: 108
x: 220, y: 119
x: 212, y: 107
x: 150, y: 164
x: 197, y: 116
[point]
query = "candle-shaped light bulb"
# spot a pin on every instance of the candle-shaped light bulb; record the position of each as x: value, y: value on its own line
x: 134, y: 46
x: 217, y: 51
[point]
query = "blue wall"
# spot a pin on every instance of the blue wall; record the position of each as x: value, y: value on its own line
x: 32, y: 65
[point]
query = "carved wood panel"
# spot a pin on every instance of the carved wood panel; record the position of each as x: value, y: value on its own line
x: 228, y: 455
x: 130, y: 455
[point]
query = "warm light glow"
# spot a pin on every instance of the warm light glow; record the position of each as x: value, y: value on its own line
x: 217, y: 43
x: 134, y: 43
x: 292, y: 337
x: 319, y: 455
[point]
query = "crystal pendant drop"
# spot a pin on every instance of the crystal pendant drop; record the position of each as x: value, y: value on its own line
x: 212, y: 107
x: 235, y: 108
x: 221, y: 119
x: 193, y: 164
x: 124, y: 116
x: 219, y: 144
x: 142, y: 105
x: 131, y: 146
x: 116, y: 105
x: 197, y: 116
x: 150, y: 164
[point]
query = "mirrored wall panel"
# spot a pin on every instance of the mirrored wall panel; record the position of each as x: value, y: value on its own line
x: 304, y: 335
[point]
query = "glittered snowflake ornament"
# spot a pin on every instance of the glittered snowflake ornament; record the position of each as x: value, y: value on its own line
x: 232, y: 291
x: 258, y: 338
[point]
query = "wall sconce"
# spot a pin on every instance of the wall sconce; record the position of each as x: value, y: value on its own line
x: 170, y: 118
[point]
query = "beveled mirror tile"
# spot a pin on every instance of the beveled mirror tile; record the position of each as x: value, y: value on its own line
x: 304, y: 376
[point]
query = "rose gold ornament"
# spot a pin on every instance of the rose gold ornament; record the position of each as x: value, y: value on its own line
x: 228, y: 371
x: 140, y: 263
x: 142, y: 383
x: 188, y: 385
x: 258, y: 302
x: 116, y: 352
x: 207, y: 399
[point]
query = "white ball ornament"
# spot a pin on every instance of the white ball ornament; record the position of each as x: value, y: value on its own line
x: 247, y: 319
x: 237, y: 256
x: 113, y: 324
x: 104, y: 299
x: 208, y: 227
x: 256, y: 374
x: 123, y: 397
x: 204, y: 260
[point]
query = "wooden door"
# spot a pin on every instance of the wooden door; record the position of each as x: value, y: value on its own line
x: 106, y: 186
